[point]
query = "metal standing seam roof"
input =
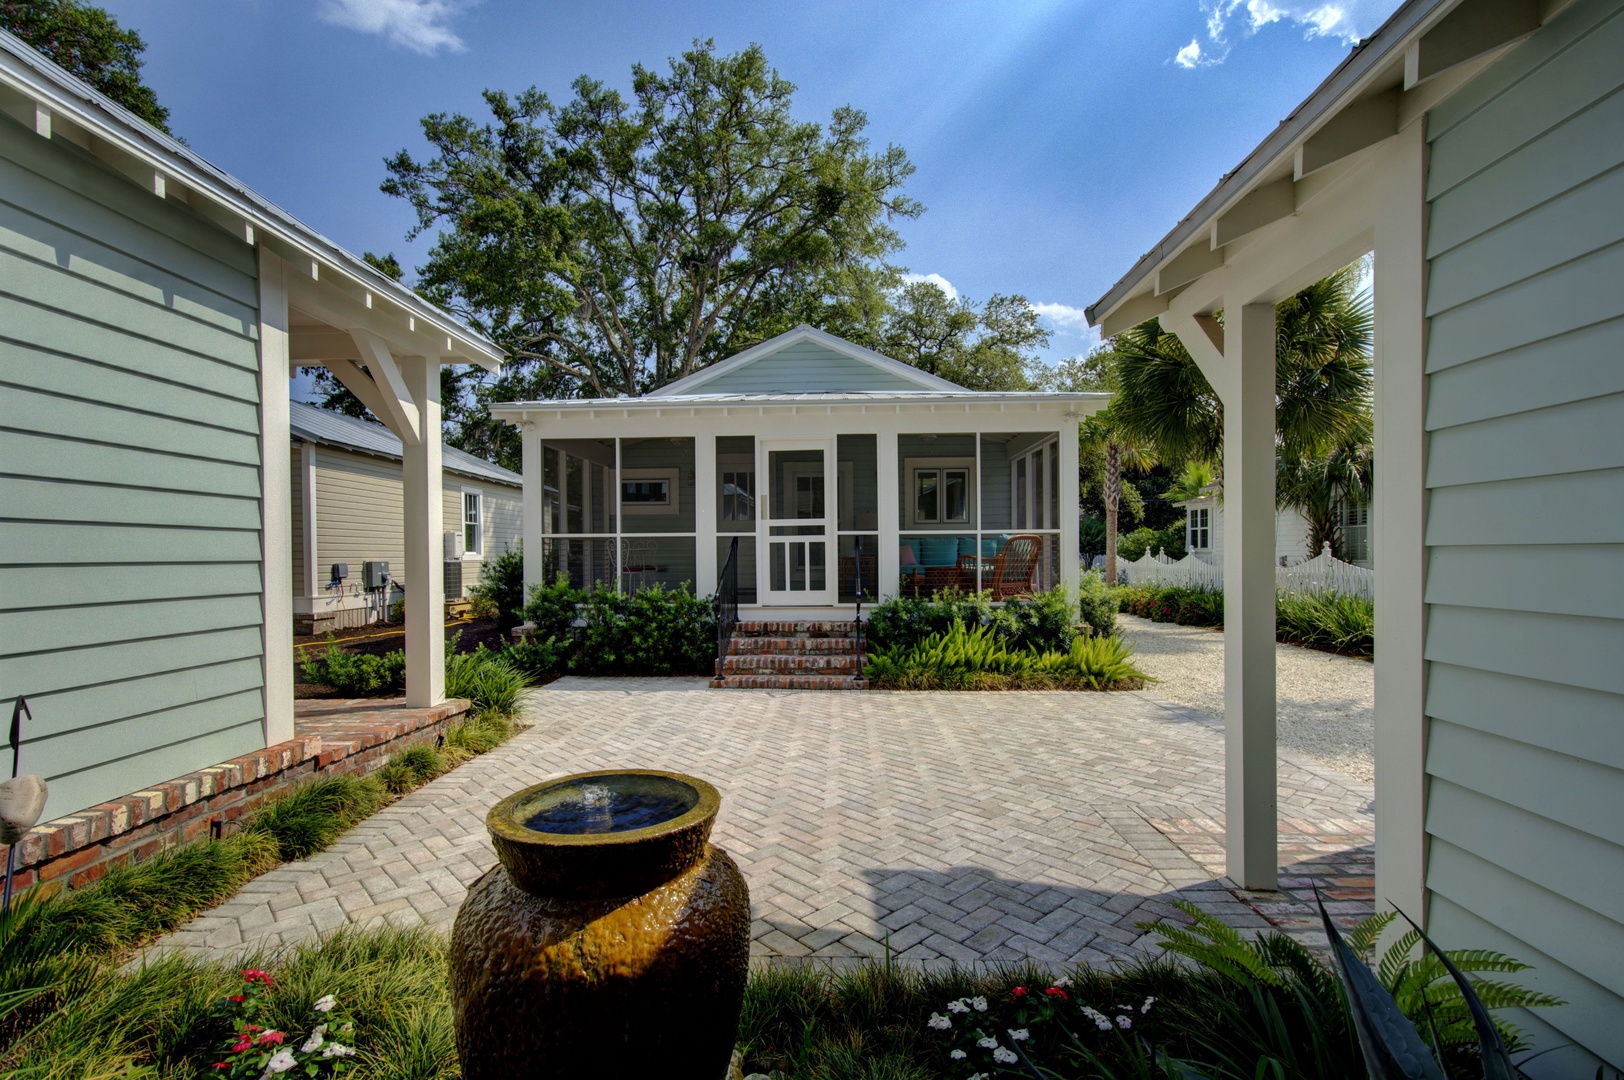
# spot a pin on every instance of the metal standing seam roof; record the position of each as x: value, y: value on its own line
x: 329, y: 428
x: 879, y: 397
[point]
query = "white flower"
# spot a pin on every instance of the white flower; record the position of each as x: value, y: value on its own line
x: 1004, y: 1057
x: 958, y: 1055
x: 1063, y: 982
x: 1019, y: 1035
x: 325, y: 1003
x: 280, y: 1062
x: 333, y: 1050
x: 312, y: 1044
x: 979, y: 1004
x: 1101, y: 1021
x: 988, y: 1043
x: 940, y: 1022
x: 1145, y: 1008
x: 957, y: 1006
x: 1124, y: 1023
x: 979, y: 1076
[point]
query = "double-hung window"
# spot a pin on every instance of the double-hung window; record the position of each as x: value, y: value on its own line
x: 941, y: 496
x: 473, y: 523
x: 1199, y: 537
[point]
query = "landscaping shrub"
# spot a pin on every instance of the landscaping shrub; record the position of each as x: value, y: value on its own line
x: 500, y: 592
x: 1097, y: 604
x: 537, y: 658
x: 1159, y: 603
x: 977, y: 659
x: 654, y: 631
x: 356, y: 674
x: 478, y: 735
x: 1043, y: 623
x: 486, y: 679
x: 1134, y: 545
x: 311, y: 816
x: 1334, y: 621
x: 412, y: 768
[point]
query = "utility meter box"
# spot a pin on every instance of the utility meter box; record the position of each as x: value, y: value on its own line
x: 375, y: 575
x: 340, y: 571
x: 454, y: 545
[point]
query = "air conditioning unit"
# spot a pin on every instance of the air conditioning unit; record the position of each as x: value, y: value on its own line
x: 454, y: 545
x: 375, y: 574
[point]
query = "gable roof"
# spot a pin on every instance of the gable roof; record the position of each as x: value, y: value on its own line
x: 329, y: 428
x: 890, y: 375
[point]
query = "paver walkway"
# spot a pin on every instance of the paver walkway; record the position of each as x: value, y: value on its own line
x: 962, y: 827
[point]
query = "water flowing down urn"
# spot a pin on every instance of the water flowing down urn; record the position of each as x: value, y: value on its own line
x: 611, y: 940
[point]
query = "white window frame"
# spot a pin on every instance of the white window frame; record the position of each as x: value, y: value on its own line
x: 473, y: 551
x: 912, y: 466
x: 1203, y: 529
x: 668, y: 508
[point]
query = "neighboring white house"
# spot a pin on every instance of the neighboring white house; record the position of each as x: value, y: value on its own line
x: 1204, y: 531
x: 832, y: 468
x: 1476, y: 147
x: 349, y: 508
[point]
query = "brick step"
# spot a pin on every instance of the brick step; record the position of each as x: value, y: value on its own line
x: 794, y: 629
x: 791, y: 646
x: 788, y: 682
x: 771, y: 664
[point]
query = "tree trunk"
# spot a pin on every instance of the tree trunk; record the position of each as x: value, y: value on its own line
x: 1113, y: 500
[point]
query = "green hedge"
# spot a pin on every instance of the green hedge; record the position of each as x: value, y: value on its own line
x: 977, y: 659
x: 1335, y: 622
x: 597, y: 631
x: 1045, y: 623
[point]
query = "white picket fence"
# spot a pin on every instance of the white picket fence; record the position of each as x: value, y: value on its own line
x: 1324, y: 573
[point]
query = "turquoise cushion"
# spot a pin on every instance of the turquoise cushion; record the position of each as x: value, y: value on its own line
x: 989, y: 547
x: 967, y: 545
x: 938, y: 550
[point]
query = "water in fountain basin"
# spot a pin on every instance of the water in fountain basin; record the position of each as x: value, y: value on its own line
x: 600, y: 809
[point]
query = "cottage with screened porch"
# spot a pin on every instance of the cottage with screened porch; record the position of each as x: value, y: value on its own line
x: 826, y: 471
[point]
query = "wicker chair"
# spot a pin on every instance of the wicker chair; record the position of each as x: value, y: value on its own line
x: 1011, y: 572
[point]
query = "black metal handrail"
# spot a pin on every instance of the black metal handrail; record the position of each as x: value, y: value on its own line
x: 727, y: 603
x: 857, y: 617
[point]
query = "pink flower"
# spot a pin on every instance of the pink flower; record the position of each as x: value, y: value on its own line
x: 271, y: 1038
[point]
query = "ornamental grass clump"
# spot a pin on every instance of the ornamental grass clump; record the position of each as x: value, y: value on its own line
x: 485, y: 679
x: 312, y: 815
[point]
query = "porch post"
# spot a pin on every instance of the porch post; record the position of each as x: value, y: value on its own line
x: 276, y: 502
x: 704, y: 513
x: 1069, y: 505
x: 887, y: 566
x: 534, y: 496
x: 425, y: 522
x: 1249, y: 707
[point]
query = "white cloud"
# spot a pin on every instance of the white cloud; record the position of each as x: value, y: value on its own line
x: 1064, y: 316
x: 423, y: 26
x: 1345, y: 20
x: 935, y: 279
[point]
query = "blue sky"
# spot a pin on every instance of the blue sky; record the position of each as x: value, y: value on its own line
x: 1054, y: 142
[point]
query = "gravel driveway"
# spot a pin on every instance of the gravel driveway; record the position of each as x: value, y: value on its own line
x: 1326, y: 703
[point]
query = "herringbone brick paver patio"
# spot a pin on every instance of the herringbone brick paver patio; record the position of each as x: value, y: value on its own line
x: 947, y: 827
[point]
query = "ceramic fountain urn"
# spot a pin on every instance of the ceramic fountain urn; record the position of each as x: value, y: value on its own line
x: 612, y: 940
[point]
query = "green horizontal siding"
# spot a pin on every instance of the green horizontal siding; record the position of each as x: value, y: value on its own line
x: 130, y: 530
x: 1525, y: 521
x: 807, y: 368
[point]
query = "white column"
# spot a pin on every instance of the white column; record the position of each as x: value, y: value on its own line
x: 1249, y: 721
x: 1398, y: 518
x: 307, y: 502
x: 276, y: 500
x: 886, y: 566
x: 705, y: 568
x: 424, y: 522
x: 534, y: 495
x: 1068, y: 505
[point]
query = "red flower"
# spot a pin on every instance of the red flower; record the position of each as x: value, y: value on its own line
x: 237, y: 997
x: 256, y: 975
x: 222, y: 1064
x: 1018, y: 992
x: 242, y: 1044
x: 270, y: 1038
x: 1055, y: 991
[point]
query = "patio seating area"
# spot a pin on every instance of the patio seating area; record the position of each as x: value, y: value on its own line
x: 866, y: 822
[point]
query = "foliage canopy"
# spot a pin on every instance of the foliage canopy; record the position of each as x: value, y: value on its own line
x: 89, y: 44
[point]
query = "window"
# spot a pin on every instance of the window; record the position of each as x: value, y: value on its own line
x: 738, y: 495
x: 941, y: 496
x: 648, y: 491
x: 1355, y: 521
x: 1199, y: 537
x: 473, y: 523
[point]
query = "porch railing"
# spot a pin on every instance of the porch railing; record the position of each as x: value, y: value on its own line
x: 727, y: 603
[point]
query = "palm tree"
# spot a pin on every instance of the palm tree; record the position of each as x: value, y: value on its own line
x: 1191, y: 483
x: 1105, y: 431
x: 1318, y: 486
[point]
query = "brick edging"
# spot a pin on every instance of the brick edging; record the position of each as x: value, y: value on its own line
x: 83, y: 846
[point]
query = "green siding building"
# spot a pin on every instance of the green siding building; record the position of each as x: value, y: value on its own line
x: 151, y: 308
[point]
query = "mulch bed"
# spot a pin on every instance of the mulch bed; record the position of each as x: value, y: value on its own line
x: 380, y: 639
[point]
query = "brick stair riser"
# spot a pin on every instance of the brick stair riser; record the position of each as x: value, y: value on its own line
x: 794, y: 646
x: 787, y: 682
x: 793, y: 629
x: 791, y: 665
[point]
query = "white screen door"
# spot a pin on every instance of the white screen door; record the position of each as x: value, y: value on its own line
x: 796, y: 529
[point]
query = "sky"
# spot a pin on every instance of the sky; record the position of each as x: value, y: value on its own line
x: 1054, y: 141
